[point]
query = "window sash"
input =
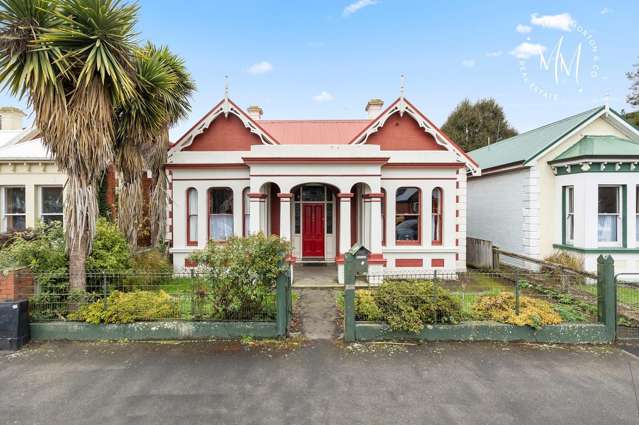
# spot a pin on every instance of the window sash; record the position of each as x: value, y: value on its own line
x: 191, y: 216
x: 220, y: 214
x: 570, y: 214
x: 437, y: 216
x: 609, y: 226
x: 407, y: 210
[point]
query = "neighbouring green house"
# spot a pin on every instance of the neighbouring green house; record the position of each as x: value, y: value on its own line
x: 572, y: 185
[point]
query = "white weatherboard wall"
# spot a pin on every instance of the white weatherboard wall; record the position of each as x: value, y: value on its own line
x: 497, y: 207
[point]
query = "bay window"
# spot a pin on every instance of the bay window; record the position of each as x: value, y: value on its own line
x: 51, y: 204
x: 14, y: 214
x: 437, y: 215
x: 220, y: 213
x: 191, y: 216
x: 609, y: 210
x: 408, y: 216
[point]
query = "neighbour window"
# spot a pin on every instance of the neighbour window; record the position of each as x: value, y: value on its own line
x: 220, y: 213
x: 383, y: 208
x: 15, y: 217
x: 51, y: 204
x: 246, y: 212
x: 437, y: 212
x: 191, y: 216
x: 609, y: 214
x: 407, y: 215
x: 570, y: 214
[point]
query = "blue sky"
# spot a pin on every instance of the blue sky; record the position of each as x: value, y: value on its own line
x: 325, y: 59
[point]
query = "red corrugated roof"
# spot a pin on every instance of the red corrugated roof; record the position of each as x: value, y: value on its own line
x: 313, y: 132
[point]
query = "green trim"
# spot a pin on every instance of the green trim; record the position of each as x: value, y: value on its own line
x: 595, y: 167
x: 611, y: 250
x: 569, y: 333
x: 145, y: 331
x: 564, y: 190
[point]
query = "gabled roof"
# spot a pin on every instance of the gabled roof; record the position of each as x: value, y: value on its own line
x: 526, y: 146
x: 402, y: 106
x: 29, y: 150
x: 313, y: 132
x: 599, y: 147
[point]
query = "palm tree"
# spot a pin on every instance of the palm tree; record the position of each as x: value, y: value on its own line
x: 73, y: 59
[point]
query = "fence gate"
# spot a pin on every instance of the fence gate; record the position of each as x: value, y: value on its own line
x: 627, y: 285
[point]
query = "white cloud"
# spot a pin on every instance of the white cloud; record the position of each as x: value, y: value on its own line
x: 527, y: 50
x: 260, y: 68
x: 324, y: 96
x: 359, y: 4
x: 469, y: 63
x: 562, y: 21
x: 494, y: 54
x: 524, y: 29
x: 605, y: 11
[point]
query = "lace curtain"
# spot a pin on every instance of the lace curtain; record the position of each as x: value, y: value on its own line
x: 607, y: 230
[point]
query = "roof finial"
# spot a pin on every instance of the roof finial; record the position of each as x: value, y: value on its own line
x: 402, y: 80
x: 226, y: 87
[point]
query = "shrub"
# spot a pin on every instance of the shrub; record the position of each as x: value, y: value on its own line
x: 128, y: 307
x: 566, y: 259
x: 149, y: 268
x: 409, y: 305
x: 240, y: 276
x: 365, y: 306
x: 110, y: 249
x: 533, y: 312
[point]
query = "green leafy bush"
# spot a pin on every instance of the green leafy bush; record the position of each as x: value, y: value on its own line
x: 149, y: 268
x: 240, y: 276
x: 110, y: 249
x: 533, y: 312
x: 128, y: 307
x: 409, y: 305
x: 365, y: 307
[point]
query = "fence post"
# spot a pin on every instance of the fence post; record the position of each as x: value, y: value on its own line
x: 105, y: 291
x: 607, y: 294
x: 349, y: 312
x: 495, y: 258
x: 282, y: 304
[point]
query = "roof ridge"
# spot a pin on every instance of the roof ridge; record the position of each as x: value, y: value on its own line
x: 317, y: 120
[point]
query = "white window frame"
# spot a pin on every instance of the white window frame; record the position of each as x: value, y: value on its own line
x: 637, y: 213
x: 3, y: 206
x: 570, y: 214
x: 619, y: 216
x: 42, y: 214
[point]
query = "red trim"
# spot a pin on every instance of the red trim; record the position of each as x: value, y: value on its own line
x: 190, y: 263
x: 321, y: 175
x: 284, y: 196
x: 311, y: 160
x: 173, y: 166
x: 419, y: 218
x: 339, y: 259
x: 189, y: 242
x: 377, y: 259
x: 378, y: 195
x: 409, y: 262
x: 437, y: 262
x: 424, y: 165
x: 291, y: 259
x: 343, y: 195
x: 440, y: 214
x: 257, y: 195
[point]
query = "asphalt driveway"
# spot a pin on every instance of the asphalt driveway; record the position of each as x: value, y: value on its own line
x: 318, y: 383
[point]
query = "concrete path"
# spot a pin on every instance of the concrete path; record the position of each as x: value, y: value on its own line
x: 320, y: 383
x: 318, y: 313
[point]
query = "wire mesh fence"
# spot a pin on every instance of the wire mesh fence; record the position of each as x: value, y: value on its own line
x: 125, y: 297
x: 508, y: 295
x: 627, y: 305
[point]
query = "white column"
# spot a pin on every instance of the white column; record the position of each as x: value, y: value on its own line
x: 285, y: 215
x: 30, y: 205
x: 256, y: 206
x: 202, y: 217
x: 344, y: 231
x: 376, y: 258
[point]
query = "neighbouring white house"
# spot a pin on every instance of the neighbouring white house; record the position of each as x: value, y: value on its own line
x: 31, y: 185
x: 392, y: 182
x: 572, y: 185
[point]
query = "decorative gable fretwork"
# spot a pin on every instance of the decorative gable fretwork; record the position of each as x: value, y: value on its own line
x: 225, y: 107
x: 402, y: 106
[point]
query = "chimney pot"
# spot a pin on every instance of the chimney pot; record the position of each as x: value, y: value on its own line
x: 255, y: 112
x: 374, y: 107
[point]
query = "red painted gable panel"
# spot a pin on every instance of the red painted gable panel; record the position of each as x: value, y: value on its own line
x: 225, y: 134
x: 403, y: 134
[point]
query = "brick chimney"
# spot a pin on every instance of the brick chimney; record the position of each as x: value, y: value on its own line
x: 374, y: 107
x: 255, y: 112
x: 11, y: 118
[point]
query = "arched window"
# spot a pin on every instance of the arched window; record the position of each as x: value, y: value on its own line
x: 246, y: 212
x: 191, y: 216
x: 220, y: 213
x: 437, y: 216
x: 383, y: 209
x: 408, y: 211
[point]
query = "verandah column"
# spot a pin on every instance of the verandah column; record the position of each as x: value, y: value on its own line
x: 256, y: 208
x: 285, y: 215
x: 376, y: 260
x: 344, y: 231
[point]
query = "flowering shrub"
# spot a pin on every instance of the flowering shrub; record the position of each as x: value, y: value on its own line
x: 533, y: 312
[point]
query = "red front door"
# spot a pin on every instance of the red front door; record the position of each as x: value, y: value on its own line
x: 313, y: 230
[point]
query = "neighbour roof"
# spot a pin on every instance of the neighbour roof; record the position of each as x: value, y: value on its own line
x: 525, y: 146
x: 313, y: 132
x: 600, y: 146
x: 30, y: 150
x: 7, y: 136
